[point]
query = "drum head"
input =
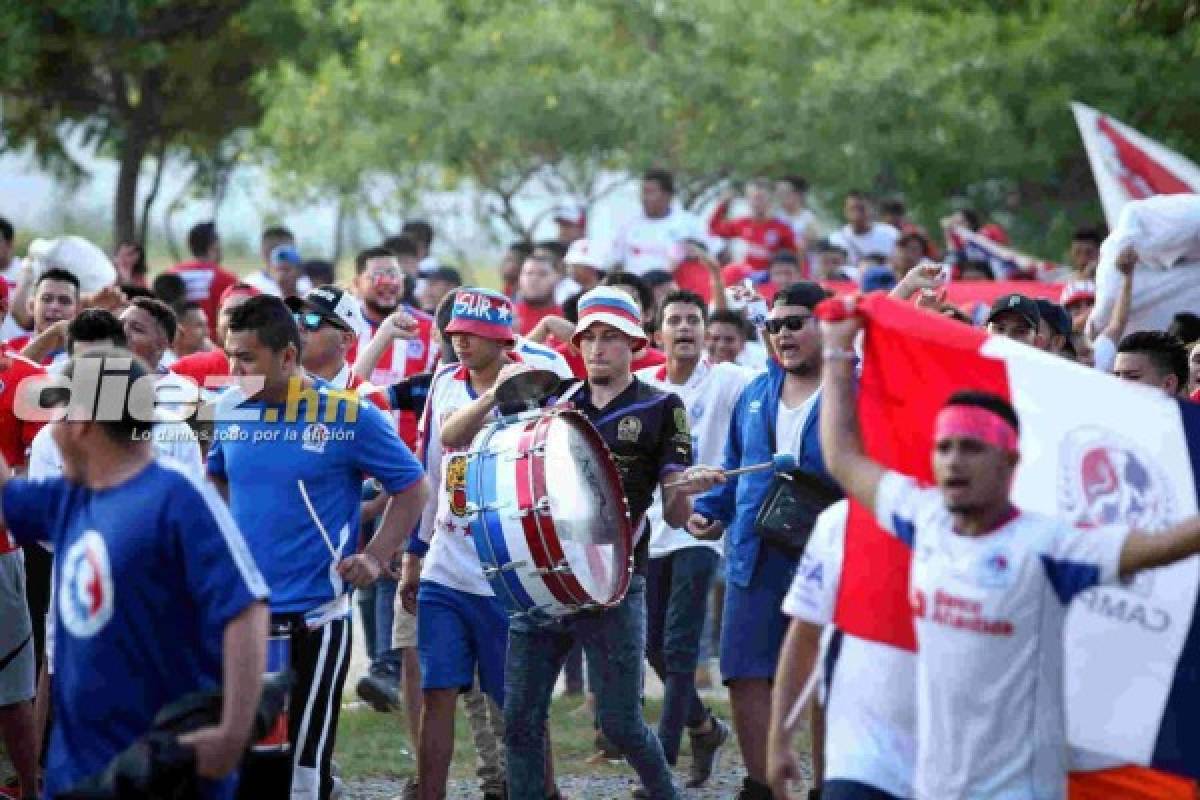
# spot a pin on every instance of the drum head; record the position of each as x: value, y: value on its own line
x: 525, y: 390
x: 588, y: 507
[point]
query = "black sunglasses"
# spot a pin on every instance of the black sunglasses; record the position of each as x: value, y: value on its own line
x: 795, y: 322
x: 311, y: 321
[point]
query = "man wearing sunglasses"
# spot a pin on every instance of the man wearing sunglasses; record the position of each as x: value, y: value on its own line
x: 777, y: 412
x: 329, y: 320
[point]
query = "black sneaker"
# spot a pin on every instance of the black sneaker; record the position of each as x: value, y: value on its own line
x: 379, y: 693
x: 753, y: 790
x: 705, y: 749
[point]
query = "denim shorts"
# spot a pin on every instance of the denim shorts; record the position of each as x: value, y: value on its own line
x: 753, y: 625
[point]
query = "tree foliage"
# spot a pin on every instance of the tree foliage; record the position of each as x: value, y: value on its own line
x: 137, y: 79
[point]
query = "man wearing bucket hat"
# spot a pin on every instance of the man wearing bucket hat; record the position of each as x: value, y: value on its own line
x: 646, y: 431
x: 462, y: 631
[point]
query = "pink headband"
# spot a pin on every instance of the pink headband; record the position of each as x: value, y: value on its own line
x: 972, y: 422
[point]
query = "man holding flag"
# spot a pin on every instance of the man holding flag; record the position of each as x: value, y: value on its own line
x: 989, y: 585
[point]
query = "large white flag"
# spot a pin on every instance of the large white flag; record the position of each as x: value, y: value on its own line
x: 1128, y: 165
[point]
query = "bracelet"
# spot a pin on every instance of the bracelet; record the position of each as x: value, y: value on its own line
x: 835, y: 354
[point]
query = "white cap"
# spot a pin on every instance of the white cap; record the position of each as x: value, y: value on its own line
x: 586, y: 253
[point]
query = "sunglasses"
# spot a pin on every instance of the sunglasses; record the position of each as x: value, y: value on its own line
x: 312, y: 321
x: 795, y: 322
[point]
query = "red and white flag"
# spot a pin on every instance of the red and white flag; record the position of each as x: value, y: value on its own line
x: 1094, y: 451
x: 1128, y: 165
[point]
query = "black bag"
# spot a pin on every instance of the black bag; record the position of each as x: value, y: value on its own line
x: 789, y: 511
x: 793, y: 502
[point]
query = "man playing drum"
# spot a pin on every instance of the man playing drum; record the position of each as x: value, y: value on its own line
x: 462, y: 630
x: 646, y: 431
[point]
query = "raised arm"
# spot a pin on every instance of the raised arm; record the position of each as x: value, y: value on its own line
x: 1126, y: 262
x: 841, y: 442
x: 399, y: 325
x: 1147, y: 550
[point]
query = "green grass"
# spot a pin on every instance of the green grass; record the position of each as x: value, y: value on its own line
x: 373, y: 745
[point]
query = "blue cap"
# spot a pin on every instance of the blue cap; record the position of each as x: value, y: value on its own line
x: 285, y: 254
x: 878, y: 278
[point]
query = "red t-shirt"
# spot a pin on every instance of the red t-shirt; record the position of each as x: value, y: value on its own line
x: 16, y: 435
x: 527, y: 317
x: 693, y: 276
x: 763, y: 237
x: 205, y: 282
x: 648, y: 357
x: 202, y: 366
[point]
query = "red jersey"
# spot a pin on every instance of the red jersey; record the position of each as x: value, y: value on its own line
x: 648, y: 357
x: 763, y: 237
x: 527, y: 317
x: 16, y: 435
x: 402, y: 360
x: 205, y: 282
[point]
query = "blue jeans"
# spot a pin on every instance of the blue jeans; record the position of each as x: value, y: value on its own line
x: 386, y: 660
x: 677, y: 588
x: 614, y: 641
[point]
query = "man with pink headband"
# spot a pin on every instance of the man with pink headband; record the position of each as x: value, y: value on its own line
x: 990, y: 587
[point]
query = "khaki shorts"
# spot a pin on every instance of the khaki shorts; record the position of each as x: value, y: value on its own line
x: 16, y: 633
x: 404, y: 627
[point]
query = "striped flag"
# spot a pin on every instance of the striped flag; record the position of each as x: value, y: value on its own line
x: 1006, y: 263
x: 1128, y: 165
x: 1094, y: 451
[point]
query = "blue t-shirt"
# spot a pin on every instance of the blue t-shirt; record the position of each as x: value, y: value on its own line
x: 149, y: 573
x: 263, y: 462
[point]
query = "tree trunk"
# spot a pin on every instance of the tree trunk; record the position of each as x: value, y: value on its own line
x: 130, y: 154
x: 143, y: 232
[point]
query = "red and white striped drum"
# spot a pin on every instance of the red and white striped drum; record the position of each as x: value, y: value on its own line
x: 548, y: 516
x: 279, y: 660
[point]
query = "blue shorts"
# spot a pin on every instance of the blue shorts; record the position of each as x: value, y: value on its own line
x: 852, y: 790
x: 460, y: 634
x: 753, y: 624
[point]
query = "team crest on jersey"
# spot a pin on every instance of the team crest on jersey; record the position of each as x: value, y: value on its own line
x: 316, y: 436
x: 995, y: 571
x: 416, y: 348
x: 456, y: 485
x: 681, y: 419
x: 85, y: 594
x: 1106, y: 479
x: 629, y: 429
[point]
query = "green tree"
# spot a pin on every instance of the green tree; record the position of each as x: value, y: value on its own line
x: 137, y: 79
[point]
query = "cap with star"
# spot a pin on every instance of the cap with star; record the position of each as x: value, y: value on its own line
x: 482, y: 312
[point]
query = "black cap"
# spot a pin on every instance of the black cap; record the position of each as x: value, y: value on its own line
x: 331, y: 302
x: 1018, y: 304
x: 1055, y: 316
x: 447, y: 274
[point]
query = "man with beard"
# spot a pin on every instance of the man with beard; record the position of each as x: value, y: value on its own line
x: 380, y: 286
x: 646, y: 431
x: 777, y: 412
x: 55, y: 299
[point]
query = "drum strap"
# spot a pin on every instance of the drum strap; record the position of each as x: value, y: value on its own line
x: 569, y: 393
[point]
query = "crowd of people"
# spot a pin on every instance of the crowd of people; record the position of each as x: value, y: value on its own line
x: 307, y: 456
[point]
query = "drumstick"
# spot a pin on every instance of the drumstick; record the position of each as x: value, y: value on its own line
x: 312, y: 512
x: 782, y: 462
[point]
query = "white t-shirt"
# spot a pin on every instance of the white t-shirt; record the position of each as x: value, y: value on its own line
x: 643, y: 244
x: 709, y: 396
x: 880, y: 240
x: 452, y: 560
x: 173, y: 440
x: 803, y: 224
x: 989, y: 613
x: 870, y: 702
x: 789, y: 425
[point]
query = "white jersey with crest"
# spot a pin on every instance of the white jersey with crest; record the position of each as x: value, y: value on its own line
x: 989, y: 613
